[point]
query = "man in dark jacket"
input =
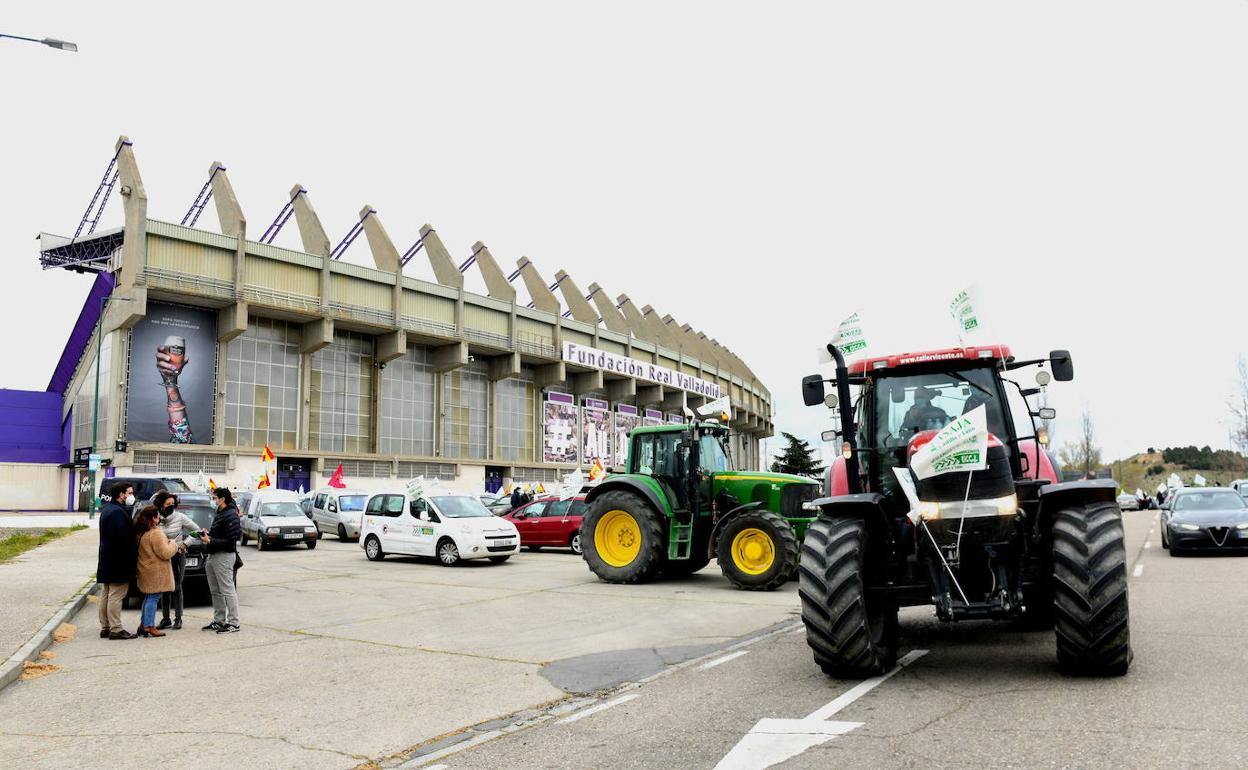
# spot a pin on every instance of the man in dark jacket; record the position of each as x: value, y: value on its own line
x: 220, y: 542
x: 516, y: 497
x: 118, y: 555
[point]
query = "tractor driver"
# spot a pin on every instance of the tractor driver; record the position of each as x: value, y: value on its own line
x: 922, y: 415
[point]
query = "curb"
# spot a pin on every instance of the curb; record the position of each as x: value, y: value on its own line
x: 11, y: 669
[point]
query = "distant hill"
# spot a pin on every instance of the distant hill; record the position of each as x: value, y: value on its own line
x: 1148, y: 469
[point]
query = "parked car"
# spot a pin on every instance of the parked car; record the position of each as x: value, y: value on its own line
x: 1128, y: 503
x: 146, y: 487
x: 305, y: 503
x: 448, y: 527
x: 339, y: 511
x: 273, y: 517
x: 498, y: 504
x: 550, y: 522
x: 1204, y: 518
x: 201, y: 509
x: 1240, y: 486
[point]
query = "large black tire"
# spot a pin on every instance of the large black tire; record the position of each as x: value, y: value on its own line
x: 679, y: 568
x: 853, y: 635
x: 648, y: 537
x: 779, y: 544
x: 1090, y: 590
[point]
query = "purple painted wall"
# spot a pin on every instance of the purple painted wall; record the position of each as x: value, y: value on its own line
x: 88, y: 317
x: 31, y: 427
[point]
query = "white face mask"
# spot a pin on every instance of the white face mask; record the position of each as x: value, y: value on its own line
x: 129, y: 499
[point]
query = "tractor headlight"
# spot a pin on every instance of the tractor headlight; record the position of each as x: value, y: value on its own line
x: 969, y: 509
x: 1007, y: 506
x: 929, y: 511
x: 810, y: 506
x: 1188, y: 527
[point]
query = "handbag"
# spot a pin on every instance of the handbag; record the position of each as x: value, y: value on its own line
x: 238, y: 561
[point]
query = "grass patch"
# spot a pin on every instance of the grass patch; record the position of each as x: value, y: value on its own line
x: 15, y: 545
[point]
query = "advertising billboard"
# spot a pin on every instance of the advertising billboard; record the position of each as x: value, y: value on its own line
x: 653, y: 417
x: 173, y: 366
x: 626, y: 418
x: 596, y: 434
x: 559, y: 429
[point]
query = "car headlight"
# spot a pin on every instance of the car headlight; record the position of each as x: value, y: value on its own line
x: 309, y: 529
x: 1188, y: 527
x: 272, y: 530
x: 1242, y: 526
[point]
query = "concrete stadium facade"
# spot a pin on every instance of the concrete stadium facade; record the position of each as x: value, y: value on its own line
x: 331, y: 363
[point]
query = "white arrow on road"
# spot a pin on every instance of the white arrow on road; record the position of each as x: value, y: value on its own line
x: 772, y: 741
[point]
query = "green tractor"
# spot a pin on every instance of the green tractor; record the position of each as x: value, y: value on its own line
x: 680, y: 502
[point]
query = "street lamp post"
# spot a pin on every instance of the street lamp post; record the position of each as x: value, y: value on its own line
x: 50, y: 42
x: 95, y: 408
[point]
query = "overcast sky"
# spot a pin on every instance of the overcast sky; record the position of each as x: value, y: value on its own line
x: 759, y: 171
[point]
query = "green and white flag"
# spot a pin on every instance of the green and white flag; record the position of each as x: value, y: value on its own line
x: 962, y: 445
x: 1199, y: 480
x: 1174, y: 482
x: 962, y: 308
x: 850, y: 338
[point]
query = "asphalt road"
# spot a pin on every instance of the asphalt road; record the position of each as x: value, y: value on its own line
x: 983, y: 695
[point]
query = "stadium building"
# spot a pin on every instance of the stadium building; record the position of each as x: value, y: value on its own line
x: 209, y: 346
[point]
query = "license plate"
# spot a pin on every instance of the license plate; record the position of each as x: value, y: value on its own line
x: 508, y: 541
x: 293, y: 537
x: 192, y: 562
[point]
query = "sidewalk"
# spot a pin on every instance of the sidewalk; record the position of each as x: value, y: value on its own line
x: 37, y: 584
x: 45, y: 520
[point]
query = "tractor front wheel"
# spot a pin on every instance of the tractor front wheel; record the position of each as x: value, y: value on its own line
x: 757, y: 551
x: 1090, y: 590
x: 852, y: 633
x: 623, y: 538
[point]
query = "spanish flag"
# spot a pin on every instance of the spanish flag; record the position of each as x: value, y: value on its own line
x: 267, y: 455
x: 264, y: 481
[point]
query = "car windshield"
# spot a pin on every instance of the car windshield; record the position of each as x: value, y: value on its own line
x: 1212, y: 500
x: 711, y: 454
x: 201, y: 515
x: 173, y: 485
x: 351, y: 503
x: 461, y: 507
x: 284, y: 508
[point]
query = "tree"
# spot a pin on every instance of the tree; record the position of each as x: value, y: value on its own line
x: 1237, y: 405
x: 1083, y: 454
x: 797, y: 458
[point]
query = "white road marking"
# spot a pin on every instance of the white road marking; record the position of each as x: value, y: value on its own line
x: 725, y: 659
x: 600, y: 707
x: 1148, y: 544
x: 437, y: 767
x: 1139, y: 570
x: 773, y: 741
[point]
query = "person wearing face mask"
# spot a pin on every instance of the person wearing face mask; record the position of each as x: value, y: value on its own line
x: 118, y: 559
x: 221, y: 542
x: 174, y: 524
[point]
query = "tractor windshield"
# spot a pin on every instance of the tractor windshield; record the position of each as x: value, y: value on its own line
x: 711, y: 454
x: 907, y: 406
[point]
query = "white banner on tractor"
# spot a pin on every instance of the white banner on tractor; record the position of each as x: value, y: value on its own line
x: 962, y: 445
x: 962, y: 308
x: 849, y: 339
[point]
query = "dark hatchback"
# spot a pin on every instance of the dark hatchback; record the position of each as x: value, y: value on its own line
x: 1202, y: 519
x: 195, y: 580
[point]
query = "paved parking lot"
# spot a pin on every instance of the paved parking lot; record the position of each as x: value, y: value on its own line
x: 342, y: 661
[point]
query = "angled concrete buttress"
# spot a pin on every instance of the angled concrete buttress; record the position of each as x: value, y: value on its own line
x: 385, y: 254
x: 495, y: 282
x: 611, y: 315
x: 539, y: 290
x: 134, y: 201
x: 444, y: 268
x: 636, y: 322
x: 575, y: 299
x: 229, y: 212
x: 315, y: 239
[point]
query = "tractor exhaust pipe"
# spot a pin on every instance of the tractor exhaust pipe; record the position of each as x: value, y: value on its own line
x: 847, y: 420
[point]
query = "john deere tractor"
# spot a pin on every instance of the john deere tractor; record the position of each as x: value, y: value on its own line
x: 982, y: 529
x: 680, y: 502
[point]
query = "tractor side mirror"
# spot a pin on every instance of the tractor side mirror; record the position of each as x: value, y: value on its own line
x: 829, y: 435
x: 812, y: 390
x: 1063, y: 367
x: 1045, y: 413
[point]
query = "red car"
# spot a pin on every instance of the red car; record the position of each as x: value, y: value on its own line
x: 549, y: 521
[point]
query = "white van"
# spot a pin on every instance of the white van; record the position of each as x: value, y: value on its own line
x: 446, y: 526
x: 339, y: 511
x: 273, y: 517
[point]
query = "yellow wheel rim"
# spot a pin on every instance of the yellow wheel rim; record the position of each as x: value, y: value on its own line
x: 753, y: 552
x: 617, y: 538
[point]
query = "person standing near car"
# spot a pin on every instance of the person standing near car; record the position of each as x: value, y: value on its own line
x: 155, y: 574
x: 116, y: 564
x: 174, y: 524
x: 221, y: 543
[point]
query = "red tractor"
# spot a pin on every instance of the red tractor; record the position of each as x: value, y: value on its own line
x: 1008, y: 540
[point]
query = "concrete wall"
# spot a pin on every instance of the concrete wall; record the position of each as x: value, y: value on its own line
x: 33, y: 487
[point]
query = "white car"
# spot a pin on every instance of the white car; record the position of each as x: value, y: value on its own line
x: 339, y: 511
x: 447, y: 527
x: 273, y: 517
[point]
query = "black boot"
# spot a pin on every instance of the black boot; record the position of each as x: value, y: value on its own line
x: 177, y: 624
x: 164, y: 623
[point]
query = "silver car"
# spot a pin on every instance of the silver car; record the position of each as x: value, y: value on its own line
x: 1128, y: 503
x: 339, y: 512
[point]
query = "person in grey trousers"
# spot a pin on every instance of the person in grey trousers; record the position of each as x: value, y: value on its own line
x: 220, y: 543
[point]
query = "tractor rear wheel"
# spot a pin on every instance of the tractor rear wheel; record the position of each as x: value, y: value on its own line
x: 1090, y: 590
x: 757, y: 551
x: 853, y: 634
x: 623, y: 538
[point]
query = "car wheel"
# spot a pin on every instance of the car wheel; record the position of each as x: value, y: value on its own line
x: 319, y: 533
x: 372, y: 549
x: 259, y: 543
x: 342, y: 533
x: 312, y: 544
x: 448, y: 553
x: 242, y: 538
x: 575, y: 544
x: 500, y: 559
x: 1165, y: 542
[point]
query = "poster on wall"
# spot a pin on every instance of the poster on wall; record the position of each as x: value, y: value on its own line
x: 653, y: 417
x: 596, y: 435
x: 559, y: 423
x: 626, y: 418
x: 173, y: 365
x: 674, y: 419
